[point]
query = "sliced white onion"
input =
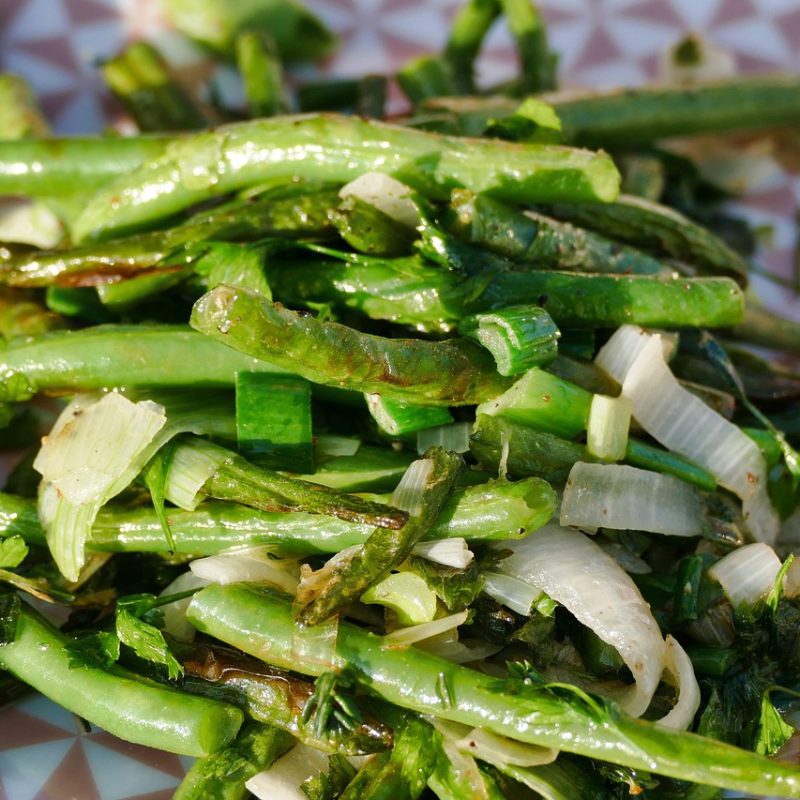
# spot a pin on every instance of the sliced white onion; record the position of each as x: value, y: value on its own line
x: 408, y: 494
x: 683, y: 423
x: 680, y: 673
x: 190, y: 468
x: 620, y: 497
x: 454, y: 436
x: 95, y: 449
x: 447, y: 645
x: 328, y: 445
x: 574, y: 571
x: 282, y: 780
x: 387, y: 194
x: 513, y: 593
x: 416, y: 633
x: 747, y: 575
x: 713, y: 63
x: 451, y: 552
x: 174, y: 613
x: 500, y: 751
x: 617, y: 355
x: 247, y: 565
x: 791, y: 583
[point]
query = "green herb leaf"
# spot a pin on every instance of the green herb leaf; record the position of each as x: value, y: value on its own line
x: 12, y: 551
x: 329, y: 785
x: 99, y: 649
x: 147, y: 642
x: 773, y: 732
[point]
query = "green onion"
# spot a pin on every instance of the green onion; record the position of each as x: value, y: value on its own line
x: 273, y: 421
x: 519, y: 337
x: 398, y: 418
x: 607, y: 428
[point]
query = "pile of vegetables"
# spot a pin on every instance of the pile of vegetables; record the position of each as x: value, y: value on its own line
x: 419, y: 458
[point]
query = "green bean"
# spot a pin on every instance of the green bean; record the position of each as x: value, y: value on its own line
x: 116, y: 356
x: 629, y: 117
x: 206, y: 165
x: 492, y: 511
x: 260, y: 622
x: 22, y: 315
x: 451, y: 372
x: 120, y: 702
x: 62, y: 167
x: 537, y: 65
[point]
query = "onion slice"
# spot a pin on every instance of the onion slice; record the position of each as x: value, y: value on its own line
x: 621, y: 498
x: 683, y: 423
x: 747, y: 575
x: 678, y: 666
x: 574, y: 571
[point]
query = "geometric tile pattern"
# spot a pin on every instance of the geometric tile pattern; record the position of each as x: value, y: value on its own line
x: 44, y: 753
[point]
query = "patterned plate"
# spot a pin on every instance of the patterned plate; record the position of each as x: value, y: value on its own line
x: 45, y: 754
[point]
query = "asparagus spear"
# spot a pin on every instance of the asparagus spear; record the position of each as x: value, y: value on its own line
x: 222, y: 776
x: 541, y: 241
x: 337, y: 585
x: 238, y: 480
x: 451, y: 372
x: 657, y: 229
x: 206, y: 165
x: 260, y: 622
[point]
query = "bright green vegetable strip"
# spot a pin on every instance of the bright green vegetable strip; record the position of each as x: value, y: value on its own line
x: 352, y: 574
x: 450, y: 372
x: 541, y: 241
x: 206, y: 165
x: 139, y: 77
x: 120, y: 702
x: 410, y: 292
x: 407, y: 594
x: 657, y: 229
x: 398, y: 418
x: 518, y: 337
x: 299, y: 34
x: 494, y: 511
x: 646, y: 456
x: 273, y: 420
x: 537, y: 66
x: 61, y: 167
x: 20, y: 116
x: 545, y: 402
x: 470, y: 26
x: 261, y: 623
x: 262, y: 73
x: 222, y: 776
x: 120, y: 356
